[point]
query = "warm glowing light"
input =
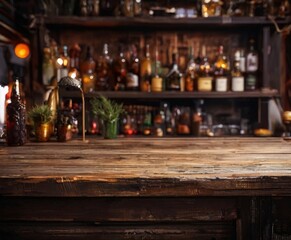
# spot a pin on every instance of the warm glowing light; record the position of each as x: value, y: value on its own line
x: 60, y: 61
x: 21, y: 50
x: 72, y: 75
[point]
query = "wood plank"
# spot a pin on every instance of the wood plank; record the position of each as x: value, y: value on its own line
x: 79, y: 231
x: 145, y: 167
x: 118, y: 209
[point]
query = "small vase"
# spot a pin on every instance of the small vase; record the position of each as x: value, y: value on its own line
x: 43, y: 132
x: 110, y: 129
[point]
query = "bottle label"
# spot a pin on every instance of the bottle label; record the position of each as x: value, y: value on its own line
x: 251, y: 82
x: 157, y: 84
x: 238, y: 84
x: 205, y: 84
x: 242, y: 64
x: 252, y: 62
x: 131, y: 80
x: 221, y: 84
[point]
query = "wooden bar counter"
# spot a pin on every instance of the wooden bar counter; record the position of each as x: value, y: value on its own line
x: 147, y: 188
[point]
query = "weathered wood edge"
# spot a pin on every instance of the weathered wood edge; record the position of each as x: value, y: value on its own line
x: 68, y: 187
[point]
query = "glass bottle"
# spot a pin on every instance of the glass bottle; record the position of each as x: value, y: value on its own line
x: 191, y: 73
x: 146, y: 71
x: 221, y: 68
x: 127, y: 8
x: 147, y: 122
x: 159, y: 122
x: 62, y: 64
x: 237, y: 78
x: 137, y: 7
x: 173, y: 78
x: 252, y: 65
x: 205, y: 78
x: 47, y: 67
x: 132, y: 77
x: 88, y: 72
x: 120, y: 71
x: 16, y: 118
x: 211, y: 8
x: 157, y: 80
x: 74, y: 62
x: 103, y: 71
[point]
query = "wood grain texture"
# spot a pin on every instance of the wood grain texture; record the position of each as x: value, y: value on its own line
x: 148, y: 167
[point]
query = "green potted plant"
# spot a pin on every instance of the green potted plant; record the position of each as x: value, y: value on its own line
x: 108, y: 111
x: 41, y: 116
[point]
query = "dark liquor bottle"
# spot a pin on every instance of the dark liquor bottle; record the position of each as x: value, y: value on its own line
x: 120, y: 71
x: 132, y: 77
x: 252, y: 65
x: 173, y: 78
x: 103, y: 81
x: 88, y: 72
x: 16, y: 118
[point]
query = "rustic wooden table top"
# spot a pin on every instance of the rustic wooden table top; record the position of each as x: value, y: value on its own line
x: 148, y: 167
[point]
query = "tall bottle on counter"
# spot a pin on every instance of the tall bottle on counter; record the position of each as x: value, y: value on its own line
x: 16, y: 118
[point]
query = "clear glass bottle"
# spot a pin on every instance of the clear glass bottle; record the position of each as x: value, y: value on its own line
x: 103, y: 71
x: 16, y: 134
x: 221, y: 70
x: 62, y: 64
x: 47, y: 67
x: 132, y: 76
x: 146, y: 71
x: 252, y: 66
x: 88, y: 71
x: 205, y: 78
x: 173, y: 78
x: 237, y: 77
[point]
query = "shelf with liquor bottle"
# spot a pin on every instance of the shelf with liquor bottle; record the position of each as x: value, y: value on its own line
x: 223, y: 56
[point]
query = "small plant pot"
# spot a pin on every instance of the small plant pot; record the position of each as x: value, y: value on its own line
x: 43, y: 132
x: 110, y: 129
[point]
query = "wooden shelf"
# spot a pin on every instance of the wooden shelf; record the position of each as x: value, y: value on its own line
x: 174, y: 95
x: 156, y: 22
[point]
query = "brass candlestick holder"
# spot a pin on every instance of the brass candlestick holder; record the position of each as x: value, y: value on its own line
x: 72, y: 83
x: 286, y: 118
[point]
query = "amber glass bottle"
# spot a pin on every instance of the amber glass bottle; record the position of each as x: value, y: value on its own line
x: 221, y: 72
x: 146, y: 71
x: 88, y: 72
x: 205, y: 78
x: 16, y: 117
